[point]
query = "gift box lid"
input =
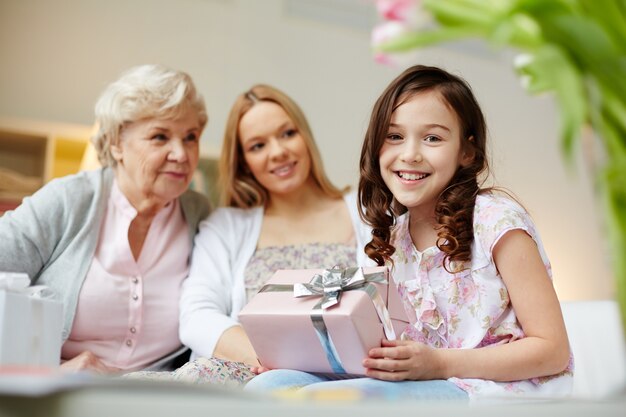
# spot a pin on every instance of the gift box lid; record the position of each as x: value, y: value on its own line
x: 391, y: 296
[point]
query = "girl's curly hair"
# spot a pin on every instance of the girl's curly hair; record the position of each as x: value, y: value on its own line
x: 454, y: 209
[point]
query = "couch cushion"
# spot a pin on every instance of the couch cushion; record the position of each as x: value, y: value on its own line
x: 597, y: 339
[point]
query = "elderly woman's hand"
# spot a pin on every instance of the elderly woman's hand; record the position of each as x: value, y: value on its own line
x: 87, y: 361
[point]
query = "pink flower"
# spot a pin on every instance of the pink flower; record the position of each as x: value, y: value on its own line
x: 401, y: 17
x: 385, y: 32
x: 409, y: 12
x: 468, y: 291
x: 398, y: 10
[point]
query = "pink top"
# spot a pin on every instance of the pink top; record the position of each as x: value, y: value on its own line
x: 470, y: 309
x: 127, y: 311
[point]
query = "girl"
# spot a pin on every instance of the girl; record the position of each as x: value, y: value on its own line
x: 468, y: 262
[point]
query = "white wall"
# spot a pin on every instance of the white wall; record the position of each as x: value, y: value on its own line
x: 57, y: 55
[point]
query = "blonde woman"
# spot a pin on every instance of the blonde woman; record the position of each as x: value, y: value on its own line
x: 281, y: 212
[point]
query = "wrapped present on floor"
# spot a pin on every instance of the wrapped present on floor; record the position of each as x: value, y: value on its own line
x: 323, y: 320
x: 30, y: 323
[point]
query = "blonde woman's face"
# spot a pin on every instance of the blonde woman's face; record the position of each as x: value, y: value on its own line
x: 274, y: 149
x: 156, y: 158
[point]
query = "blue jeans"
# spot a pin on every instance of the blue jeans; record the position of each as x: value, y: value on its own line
x: 286, y: 379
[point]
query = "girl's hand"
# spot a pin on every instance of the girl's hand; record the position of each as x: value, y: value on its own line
x: 400, y: 360
x: 87, y: 361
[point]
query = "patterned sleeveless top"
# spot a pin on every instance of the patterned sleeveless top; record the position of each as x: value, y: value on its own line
x: 265, y: 261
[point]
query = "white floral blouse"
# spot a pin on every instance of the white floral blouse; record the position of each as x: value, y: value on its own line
x: 471, y: 308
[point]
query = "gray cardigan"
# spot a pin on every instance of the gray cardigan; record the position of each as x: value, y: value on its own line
x: 52, y: 235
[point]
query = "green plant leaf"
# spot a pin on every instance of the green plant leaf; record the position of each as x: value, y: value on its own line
x: 550, y: 69
x: 589, y: 47
x: 611, y: 16
x: 475, y: 13
x: 420, y: 39
x: 519, y: 30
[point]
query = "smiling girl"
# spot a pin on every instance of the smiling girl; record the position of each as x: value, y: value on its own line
x: 468, y: 262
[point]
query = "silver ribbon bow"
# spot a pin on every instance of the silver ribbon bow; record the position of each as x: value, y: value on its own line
x: 332, y: 282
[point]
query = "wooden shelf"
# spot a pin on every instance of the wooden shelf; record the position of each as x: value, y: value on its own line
x: 34, y: 152
x: 67, y: 156
x: 23, y: 153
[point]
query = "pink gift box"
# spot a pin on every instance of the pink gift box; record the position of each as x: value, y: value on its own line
x: 282, y: 330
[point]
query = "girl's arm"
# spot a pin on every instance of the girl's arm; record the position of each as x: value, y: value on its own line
x: 544, y: 351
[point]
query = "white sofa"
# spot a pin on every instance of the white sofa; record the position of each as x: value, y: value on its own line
x: 596, y: 336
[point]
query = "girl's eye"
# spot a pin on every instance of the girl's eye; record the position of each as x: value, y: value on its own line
x: 432, y: 139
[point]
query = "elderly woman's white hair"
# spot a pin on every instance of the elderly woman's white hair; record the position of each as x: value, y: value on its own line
x: 146, y: 91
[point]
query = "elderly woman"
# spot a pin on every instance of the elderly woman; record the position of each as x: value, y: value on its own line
x: 114, y: 244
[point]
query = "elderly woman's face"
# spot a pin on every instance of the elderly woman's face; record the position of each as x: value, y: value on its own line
x: 156, y: 158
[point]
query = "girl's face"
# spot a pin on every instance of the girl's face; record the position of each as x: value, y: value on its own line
x: 156, y: 158
x: 273, y: 148
x: 422, y: 151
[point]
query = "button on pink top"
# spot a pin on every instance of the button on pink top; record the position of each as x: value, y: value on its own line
x: 127, y: 310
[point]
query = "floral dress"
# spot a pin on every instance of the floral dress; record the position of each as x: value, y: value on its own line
x: 471, y: 308
x: 258, y: 271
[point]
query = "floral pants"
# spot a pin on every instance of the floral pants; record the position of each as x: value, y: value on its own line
x: 203, y: 371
